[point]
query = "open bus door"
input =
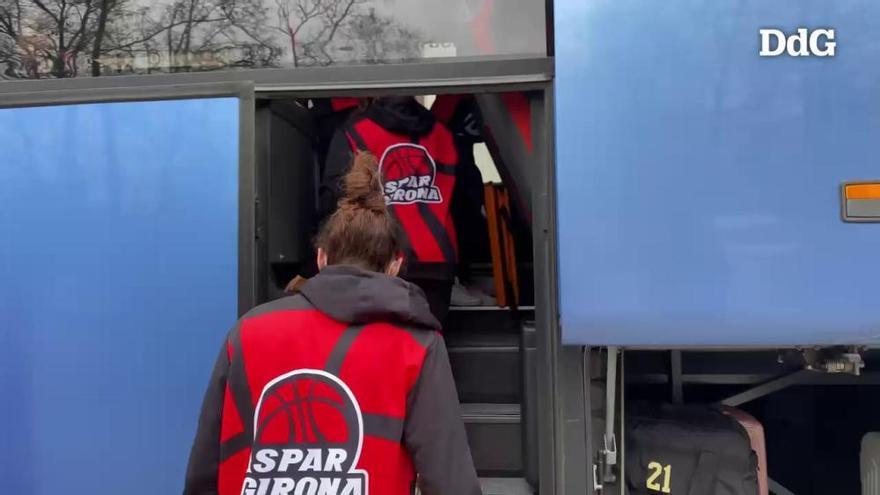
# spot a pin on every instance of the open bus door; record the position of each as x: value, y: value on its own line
x: 122, y: 266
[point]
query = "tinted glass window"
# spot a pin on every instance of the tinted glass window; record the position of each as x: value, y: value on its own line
x: 77, y: 38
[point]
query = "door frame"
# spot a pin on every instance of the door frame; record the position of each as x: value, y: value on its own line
x: 456, y: 73
x: 562, y: 447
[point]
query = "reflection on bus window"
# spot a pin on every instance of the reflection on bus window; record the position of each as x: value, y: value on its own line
x: 41, y: 40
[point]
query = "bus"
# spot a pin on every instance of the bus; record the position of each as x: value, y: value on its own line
x: 687, y: 216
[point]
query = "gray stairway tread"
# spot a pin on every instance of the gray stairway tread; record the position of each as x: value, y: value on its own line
x: 505, y: 486
x: 488, y: 308
x: 502, y: 486
x: 482, y: 340
x: 485, y: 318
x: 491, y: 413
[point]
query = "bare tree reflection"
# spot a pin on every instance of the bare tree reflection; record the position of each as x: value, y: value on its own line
x: 311, y: 27
x: 381, y: 39
x: 52, y: 34
x: 10, y: 31
x: 70, y: 38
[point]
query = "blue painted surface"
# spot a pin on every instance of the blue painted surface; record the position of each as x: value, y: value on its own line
x: 118, y: 281
x: 699, y: 183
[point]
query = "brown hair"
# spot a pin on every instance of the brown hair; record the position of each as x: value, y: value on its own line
x: 362, y: 231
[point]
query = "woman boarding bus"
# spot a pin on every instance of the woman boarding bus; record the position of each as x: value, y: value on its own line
x: 343, y: 388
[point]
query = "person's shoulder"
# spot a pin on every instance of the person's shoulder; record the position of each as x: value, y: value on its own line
x: 295, y: 302
x: 415, y: 335
x: 423, y: 336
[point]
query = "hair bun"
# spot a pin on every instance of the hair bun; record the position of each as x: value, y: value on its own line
x: 363, y: 184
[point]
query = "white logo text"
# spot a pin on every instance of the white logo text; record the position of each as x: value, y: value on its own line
x: 804, y: 43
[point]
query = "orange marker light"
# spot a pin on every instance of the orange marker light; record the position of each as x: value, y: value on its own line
x: 862, y: 191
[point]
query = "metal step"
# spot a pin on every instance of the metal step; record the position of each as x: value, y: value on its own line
x: 488, y: 308
x: 490, y: 413
x: 489, y: 373
x: 502, y: 486
x: 495, y: 436
x: 463, y: 318
x: 484, y: 350
x: 505, y: 486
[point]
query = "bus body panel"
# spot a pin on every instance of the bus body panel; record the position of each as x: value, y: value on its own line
x: 699, y: 183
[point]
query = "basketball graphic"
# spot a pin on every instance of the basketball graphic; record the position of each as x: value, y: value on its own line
x: 408, y: 173
x: 308, y: 433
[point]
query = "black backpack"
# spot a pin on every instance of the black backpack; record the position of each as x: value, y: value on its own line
x: 687, y: 450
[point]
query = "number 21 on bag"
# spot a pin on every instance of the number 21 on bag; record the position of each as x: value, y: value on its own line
x: 657, y: 474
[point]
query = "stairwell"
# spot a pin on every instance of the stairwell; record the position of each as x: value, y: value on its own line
x: 488, y: 347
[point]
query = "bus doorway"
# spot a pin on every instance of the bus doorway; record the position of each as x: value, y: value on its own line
x: 490, y: 327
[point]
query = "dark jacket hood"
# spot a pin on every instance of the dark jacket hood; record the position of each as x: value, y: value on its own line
x: 402, y: 115
x: 356, y: 296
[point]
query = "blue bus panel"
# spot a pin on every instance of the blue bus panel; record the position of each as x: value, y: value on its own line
x: 118, y: 282
x: 700, y: 182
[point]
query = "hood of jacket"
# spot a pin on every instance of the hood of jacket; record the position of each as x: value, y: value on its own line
x: 357, y: 296
x: 402, y: 115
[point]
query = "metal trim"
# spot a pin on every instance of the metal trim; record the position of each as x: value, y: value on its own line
x: 675, y: 373
x: 778, y: 489
x: 737, y: 348
x: 550, y: 15
x: 551, y: 427
x: 248, y: 282
x: 592, y: 475
x: 262, y: 126
x: 155, y: 92
x: 481, y: 413
x: 767, y: 388
x: 701, y: 378
x: 573, y: 461
x: 869, y: 378
x: 445, y: 75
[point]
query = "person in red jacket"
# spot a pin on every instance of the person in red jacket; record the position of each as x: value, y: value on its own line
x: 344, y: 388
x: 417, y: 162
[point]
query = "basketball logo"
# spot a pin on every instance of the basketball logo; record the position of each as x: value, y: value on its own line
x: 308, y: 433
x: 408, y: 173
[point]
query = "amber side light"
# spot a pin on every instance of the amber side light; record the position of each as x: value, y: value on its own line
x: 863, y: 191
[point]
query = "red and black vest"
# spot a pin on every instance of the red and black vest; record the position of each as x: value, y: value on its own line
x: 418, y: 174
x: 317, y: 402
x: 343, y: 389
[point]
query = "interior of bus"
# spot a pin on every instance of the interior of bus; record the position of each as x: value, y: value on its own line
x: 490, y: 330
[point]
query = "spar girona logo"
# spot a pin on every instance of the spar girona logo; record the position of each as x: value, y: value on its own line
x: 408, y: 173
x: 308, y: 438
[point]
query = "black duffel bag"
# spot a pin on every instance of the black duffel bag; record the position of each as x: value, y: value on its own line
x: 687, y: 450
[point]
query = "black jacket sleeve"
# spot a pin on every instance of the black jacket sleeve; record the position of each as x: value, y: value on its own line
x: 204, y: 459
x: 434, y: 432
x: 339, y: 157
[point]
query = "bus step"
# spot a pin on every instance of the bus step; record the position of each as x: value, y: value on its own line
x: 505, y: 486
x: 495, y: 436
